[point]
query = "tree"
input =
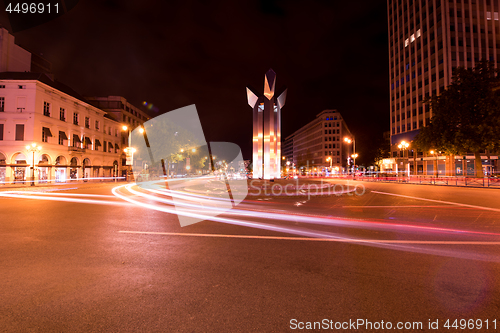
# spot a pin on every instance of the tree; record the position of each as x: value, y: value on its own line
x: 466, y: 116
x: 383, y: 151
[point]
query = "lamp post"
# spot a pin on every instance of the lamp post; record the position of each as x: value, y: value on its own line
x: 129, y: 150
x: 330, y: 159
x: 193, y: 150
x: 33, y: 148
x: 435, y: 154
x: 404, y: 146
x: 349, y: 140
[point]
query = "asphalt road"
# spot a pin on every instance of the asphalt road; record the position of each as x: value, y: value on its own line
x: 86, y: 260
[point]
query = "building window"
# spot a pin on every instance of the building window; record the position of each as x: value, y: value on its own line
x: 2, y: 104
x: 75, y: 118
x: 19, y: 132
x: 62, y: 137
x: 46, y: 109
x: 21, y: 87
x: 77, y: 142
x: 87, y: 122
x: 62, y: 114
x: 97, y: 124
x: 2, y: 86
x: 45, y: 134
x: 87, y: 143
x: 1, y: 132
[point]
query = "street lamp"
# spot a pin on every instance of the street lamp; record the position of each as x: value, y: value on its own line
x: 129, y: 141
x: 33, y: 148
x: 330, y: 159
x: 435, y: 153
x: 349, y: 140
x: 193, y: 150
x: 127, y: 150
x: 404, y: 146
x: 354, y: 164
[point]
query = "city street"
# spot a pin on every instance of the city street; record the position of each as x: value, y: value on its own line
x: 109, y: 257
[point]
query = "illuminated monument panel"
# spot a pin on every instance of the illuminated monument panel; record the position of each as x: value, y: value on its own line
x: 267, y: 128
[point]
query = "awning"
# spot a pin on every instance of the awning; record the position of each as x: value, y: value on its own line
x: 97, y: 143
x: 46, y: 131
x: 117, y: 147
x: 88, y: 141
x: 76, y: 138
x: 63, y: 135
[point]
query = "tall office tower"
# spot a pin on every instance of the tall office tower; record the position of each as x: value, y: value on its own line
x: 267, y: 128
x: 427, y: 40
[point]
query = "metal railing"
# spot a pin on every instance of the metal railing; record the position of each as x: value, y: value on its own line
x: 76, y: 149
x: 433, y: 180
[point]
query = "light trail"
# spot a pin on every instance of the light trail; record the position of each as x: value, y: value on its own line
x: 51, y: 197
x: 60, y: 194
x: 306, y: 219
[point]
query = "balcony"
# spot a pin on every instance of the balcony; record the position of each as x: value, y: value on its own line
x: 76, y: 150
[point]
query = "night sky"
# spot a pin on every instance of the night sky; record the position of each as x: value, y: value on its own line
x: 330, y: 55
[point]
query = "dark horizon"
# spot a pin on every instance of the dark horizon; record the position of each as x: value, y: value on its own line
x: 330, y: 55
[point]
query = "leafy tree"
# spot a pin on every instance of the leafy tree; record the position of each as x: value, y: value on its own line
x: 466, y: 116
x: 383, y: 151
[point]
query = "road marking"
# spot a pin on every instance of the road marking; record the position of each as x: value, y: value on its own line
x: 339, y: 240
x: 414, y: 206
x: 440, y: 201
